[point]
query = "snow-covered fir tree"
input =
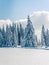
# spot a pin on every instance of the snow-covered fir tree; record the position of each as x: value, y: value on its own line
x: 43, y: 37
x: 4, y: 37
x: 1, y: 38
x: 14, y: 35
x: 18, y: 35
x: 47, y: 38
x: 29, y: 34
x: 21, y: 35
x: 8, y: 36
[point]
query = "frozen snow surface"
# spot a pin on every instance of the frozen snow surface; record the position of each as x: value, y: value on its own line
x: 22, y: 56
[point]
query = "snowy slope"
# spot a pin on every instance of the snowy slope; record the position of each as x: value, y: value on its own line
x: 19, y: 56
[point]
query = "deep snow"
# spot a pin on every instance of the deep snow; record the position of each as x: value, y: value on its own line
x: 22, y: 56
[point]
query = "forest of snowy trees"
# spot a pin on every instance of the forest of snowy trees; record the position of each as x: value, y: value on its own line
x: 15, y: 35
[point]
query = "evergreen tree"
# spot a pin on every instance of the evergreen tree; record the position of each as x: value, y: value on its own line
x: 18, y: 35
x: 21, y: 35
x: 1, y: 38
x: 4, y: 37
x: 47, y: 38
x: 8, y: 36
x: 29, y: 34
x: 14, y: 35
x: 43, y: 37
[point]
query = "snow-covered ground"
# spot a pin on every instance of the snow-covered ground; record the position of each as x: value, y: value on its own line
x: 19, y: 56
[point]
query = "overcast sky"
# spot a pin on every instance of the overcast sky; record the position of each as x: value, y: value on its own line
x: 17, y: 9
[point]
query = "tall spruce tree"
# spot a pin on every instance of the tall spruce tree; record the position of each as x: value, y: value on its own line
x: 4, y: 37
x: 43, y: 36
x: 21, y: 35
x: 29, y: 34
x: 47, y: 38
x: 14, y: 35
x: 18, y: 35
x: 8, y: 36
x: 1, y: 38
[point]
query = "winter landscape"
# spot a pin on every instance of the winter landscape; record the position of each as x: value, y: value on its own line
x: 24, y: 32
x: 20, y: 45
x: 14, y: 35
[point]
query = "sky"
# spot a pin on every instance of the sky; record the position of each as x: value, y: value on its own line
x: 18, y: 9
